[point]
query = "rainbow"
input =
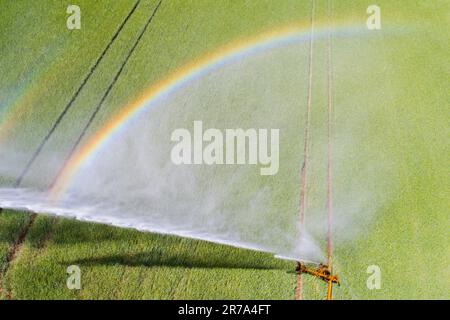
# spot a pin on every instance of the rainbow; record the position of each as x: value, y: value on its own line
x: 28, y: 91
x: 287, y: 35
x: 21, y: 106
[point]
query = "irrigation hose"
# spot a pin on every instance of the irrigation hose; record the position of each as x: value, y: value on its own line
x: 330, y: 159
x: 304, y: 169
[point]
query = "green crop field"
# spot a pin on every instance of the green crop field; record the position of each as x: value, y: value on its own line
x: 391, y: 112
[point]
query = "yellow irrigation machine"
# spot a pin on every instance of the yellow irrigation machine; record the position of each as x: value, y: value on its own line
x: 322, y: 272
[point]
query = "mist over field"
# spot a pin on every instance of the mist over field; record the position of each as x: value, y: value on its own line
x: 132, y: 181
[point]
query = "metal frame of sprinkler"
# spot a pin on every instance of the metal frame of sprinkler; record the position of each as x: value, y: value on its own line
x: 322, y: 272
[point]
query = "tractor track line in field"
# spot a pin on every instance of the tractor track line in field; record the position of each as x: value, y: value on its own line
x: 12, y: 254
x: 330, y: 151
x: 304, y: 169
x: 74, y: 97
x: 108, y: 91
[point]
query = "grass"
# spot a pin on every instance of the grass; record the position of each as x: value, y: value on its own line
x: 395, y: 106
x: 125, y: 264
x: 390, y: 122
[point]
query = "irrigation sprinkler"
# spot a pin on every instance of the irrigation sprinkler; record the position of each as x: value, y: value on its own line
x: 322, y: 272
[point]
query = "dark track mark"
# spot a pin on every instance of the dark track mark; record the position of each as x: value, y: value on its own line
x: 108, y: 91
x: 12, y: 253
x: 74, y: 97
